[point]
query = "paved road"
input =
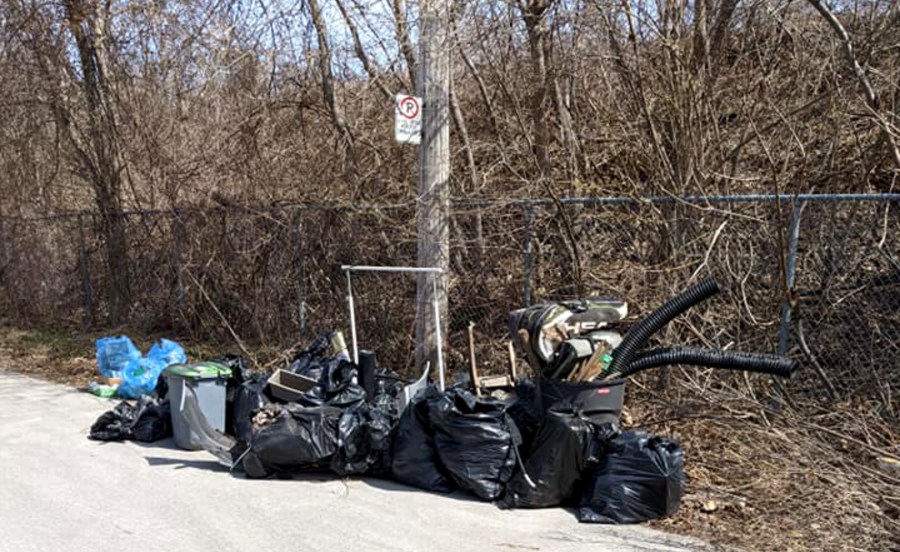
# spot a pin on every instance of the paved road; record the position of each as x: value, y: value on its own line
x: 60, y: 491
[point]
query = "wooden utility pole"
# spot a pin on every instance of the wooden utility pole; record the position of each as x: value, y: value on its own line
x: 433, y: 201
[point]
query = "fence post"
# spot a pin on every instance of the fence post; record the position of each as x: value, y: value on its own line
x: 299, y: 277
x: 784, y: 329
x: 177, y: 238
x: 85, y: 272
x: 529, y: 250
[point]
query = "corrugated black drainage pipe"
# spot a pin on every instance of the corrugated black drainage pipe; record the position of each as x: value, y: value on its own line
x: 733, y: 360
x: 637, y: 337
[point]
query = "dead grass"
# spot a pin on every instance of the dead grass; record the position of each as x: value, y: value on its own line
x: 53, y: 355
x: 805, y: 478
x: 67, y: 356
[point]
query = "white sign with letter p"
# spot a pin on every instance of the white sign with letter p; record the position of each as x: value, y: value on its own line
x: 407, y: 119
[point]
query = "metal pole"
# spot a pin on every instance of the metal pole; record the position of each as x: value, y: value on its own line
x: 437, y: 272
x: 410, y: 269
x: 529, y: 250
x: 790, y: 275
x: 298, y: 269
x: 177, y: 231
x: 687, y: 199
x: 352, y: 316
x: 85, y: 271
x: 437, y: 330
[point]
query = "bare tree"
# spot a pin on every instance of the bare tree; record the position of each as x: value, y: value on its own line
x: 328, y: 88
x: 96, y: 146
x: 871, y: 97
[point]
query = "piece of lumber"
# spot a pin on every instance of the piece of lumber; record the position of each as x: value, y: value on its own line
x: 593, y: 367
x: 512, y: 360
x: 473, y: 367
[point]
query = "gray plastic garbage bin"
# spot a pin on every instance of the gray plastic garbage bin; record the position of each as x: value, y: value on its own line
x: 208, y: 381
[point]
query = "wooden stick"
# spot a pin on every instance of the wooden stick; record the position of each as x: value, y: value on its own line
x: 512, y: 361
x: 530, y: 355
x: 592, y: 367
x: 575, y: 375
x: 535, y: 367
x: 473, y: 368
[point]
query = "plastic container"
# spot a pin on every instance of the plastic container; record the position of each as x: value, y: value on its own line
x: 209, y: 382
x: 601, y: 402
x: 289, y: 386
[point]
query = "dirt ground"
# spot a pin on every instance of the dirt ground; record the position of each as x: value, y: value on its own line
x: 808, y: 476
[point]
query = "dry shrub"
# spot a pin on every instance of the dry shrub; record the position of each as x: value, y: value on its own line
x: 804, y: 476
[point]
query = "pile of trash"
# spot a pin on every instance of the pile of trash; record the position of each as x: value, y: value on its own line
x: 546, y: 441
x: 439, y: 441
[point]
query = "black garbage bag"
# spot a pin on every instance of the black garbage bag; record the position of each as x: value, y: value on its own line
x: 640, y: 477
x: 249, y: 397
x: 154, y: 421
x: 114, y: 425
x: 240, y: 373
x: 566, y: 444
x: 414, y: 460
x: 147, y: 420
x: 291, y: 438
x: 364, y: 443
x: 476, y: 441
x: 335, y: 386
x: 310, y: 362
x: 388, y: 388
x: 525, y: 413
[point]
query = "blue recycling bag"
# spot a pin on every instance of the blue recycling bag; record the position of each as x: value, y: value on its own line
x: 118, y: 357
x: 139, y: 378
x: 114, y: 354
x: 167, y: 352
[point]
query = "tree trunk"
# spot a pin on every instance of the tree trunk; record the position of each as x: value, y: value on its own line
x: 401, y: 26
x: 361, y: 53
x: 535, y: 24
x: 100, y: 159
x: 433, y: 205
x: 328, y: 93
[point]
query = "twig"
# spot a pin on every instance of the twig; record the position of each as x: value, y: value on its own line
x: 234, y: 334
x: 864, y: 444
x: 712, y: 244
x: 872, y: 100
x: 815, y: 362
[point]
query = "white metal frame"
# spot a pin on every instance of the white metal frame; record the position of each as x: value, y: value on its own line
x: 349, y: 269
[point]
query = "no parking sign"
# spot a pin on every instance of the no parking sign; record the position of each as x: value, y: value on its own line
x: 407, y: 119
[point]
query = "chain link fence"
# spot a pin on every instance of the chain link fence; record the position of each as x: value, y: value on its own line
x: 816, y: 277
